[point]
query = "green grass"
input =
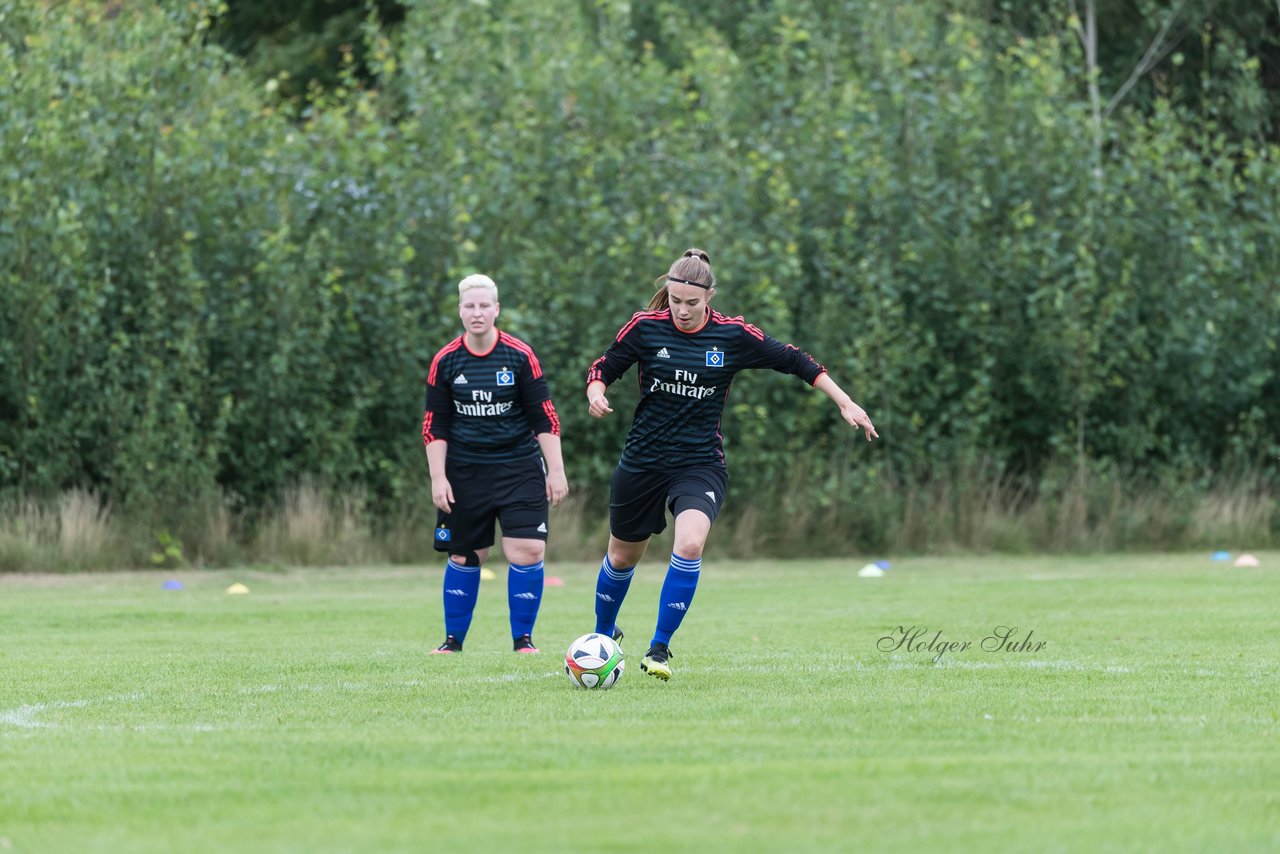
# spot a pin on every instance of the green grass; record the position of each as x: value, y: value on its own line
x: 306, y: 716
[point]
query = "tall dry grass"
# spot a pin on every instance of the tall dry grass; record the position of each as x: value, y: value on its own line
x: 1087, y: 513
x: 314, y: 525
x: 26, y: 531
x: 84, y: 530
x: 73, y: 532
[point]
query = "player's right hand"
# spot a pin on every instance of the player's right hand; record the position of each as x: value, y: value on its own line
x: 442, y: 494
x: 599, y: 406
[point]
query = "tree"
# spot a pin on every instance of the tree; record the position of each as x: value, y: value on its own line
x: 303, y: 42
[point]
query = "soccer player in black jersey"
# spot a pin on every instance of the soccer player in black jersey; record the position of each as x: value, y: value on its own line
x: 686, y: 355
x: 488, y: 414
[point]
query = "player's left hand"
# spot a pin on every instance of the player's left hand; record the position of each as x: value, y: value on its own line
x: 557, y: 488
x: 857, y: 417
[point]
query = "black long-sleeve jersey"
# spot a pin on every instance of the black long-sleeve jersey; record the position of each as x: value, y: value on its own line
x: 684, y: 383
x: 488, y: 406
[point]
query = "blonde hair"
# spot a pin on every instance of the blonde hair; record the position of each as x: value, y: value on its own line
x: 478, y: 280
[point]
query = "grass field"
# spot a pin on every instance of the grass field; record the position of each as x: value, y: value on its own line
x: 306, y: 716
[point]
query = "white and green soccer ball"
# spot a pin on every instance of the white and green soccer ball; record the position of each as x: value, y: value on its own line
x: 594, y: 661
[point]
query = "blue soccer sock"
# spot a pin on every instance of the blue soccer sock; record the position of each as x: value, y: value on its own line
x: 461, y: 586
x: 524, y: 595
x: 677, y: 595
x: 611, y: 589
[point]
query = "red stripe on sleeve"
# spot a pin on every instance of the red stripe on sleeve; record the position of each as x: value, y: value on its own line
x: 427, y: 436
x: 596, y: 374
x: 549, y: 408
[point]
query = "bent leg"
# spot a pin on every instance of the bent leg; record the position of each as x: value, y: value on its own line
x: 624, y: 553
x: 692, y: 528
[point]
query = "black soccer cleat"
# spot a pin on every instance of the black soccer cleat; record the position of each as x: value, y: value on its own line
x: 524, y: 644
x: 655, y: 662
x: 617, y: 634
x: 450, y: 645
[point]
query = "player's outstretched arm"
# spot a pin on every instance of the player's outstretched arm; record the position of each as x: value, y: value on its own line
x: 852, y: 412
x: 598, y: 404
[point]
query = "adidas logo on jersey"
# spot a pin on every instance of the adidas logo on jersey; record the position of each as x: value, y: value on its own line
x: 679, y: 606
x: 663, y: 354
x: 460, y: 379
x: 542, y: 529
x: 525, y: 596
x: 711, y: 495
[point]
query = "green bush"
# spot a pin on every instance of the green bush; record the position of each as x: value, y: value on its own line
x: 210, y: 293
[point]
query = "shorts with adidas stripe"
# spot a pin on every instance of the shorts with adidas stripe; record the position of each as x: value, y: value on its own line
x: 638, y: 500
x: 512, y: 493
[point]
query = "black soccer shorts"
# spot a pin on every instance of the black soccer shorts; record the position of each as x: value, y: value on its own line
x: 513, y: 494
x: 638, y: 501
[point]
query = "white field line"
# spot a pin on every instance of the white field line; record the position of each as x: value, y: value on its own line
x: 314, y: 688
x: 525, y: 677
x: 922, y: 662
x: 24, y: 717
x: 904, y: 662
x: 1034, y: 665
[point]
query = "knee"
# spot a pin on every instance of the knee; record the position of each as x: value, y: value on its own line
x: 525, y: 553
x: 689, y: 549
x: 624, y: 558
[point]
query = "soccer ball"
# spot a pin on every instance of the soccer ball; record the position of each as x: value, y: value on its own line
x: 594, y: 661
